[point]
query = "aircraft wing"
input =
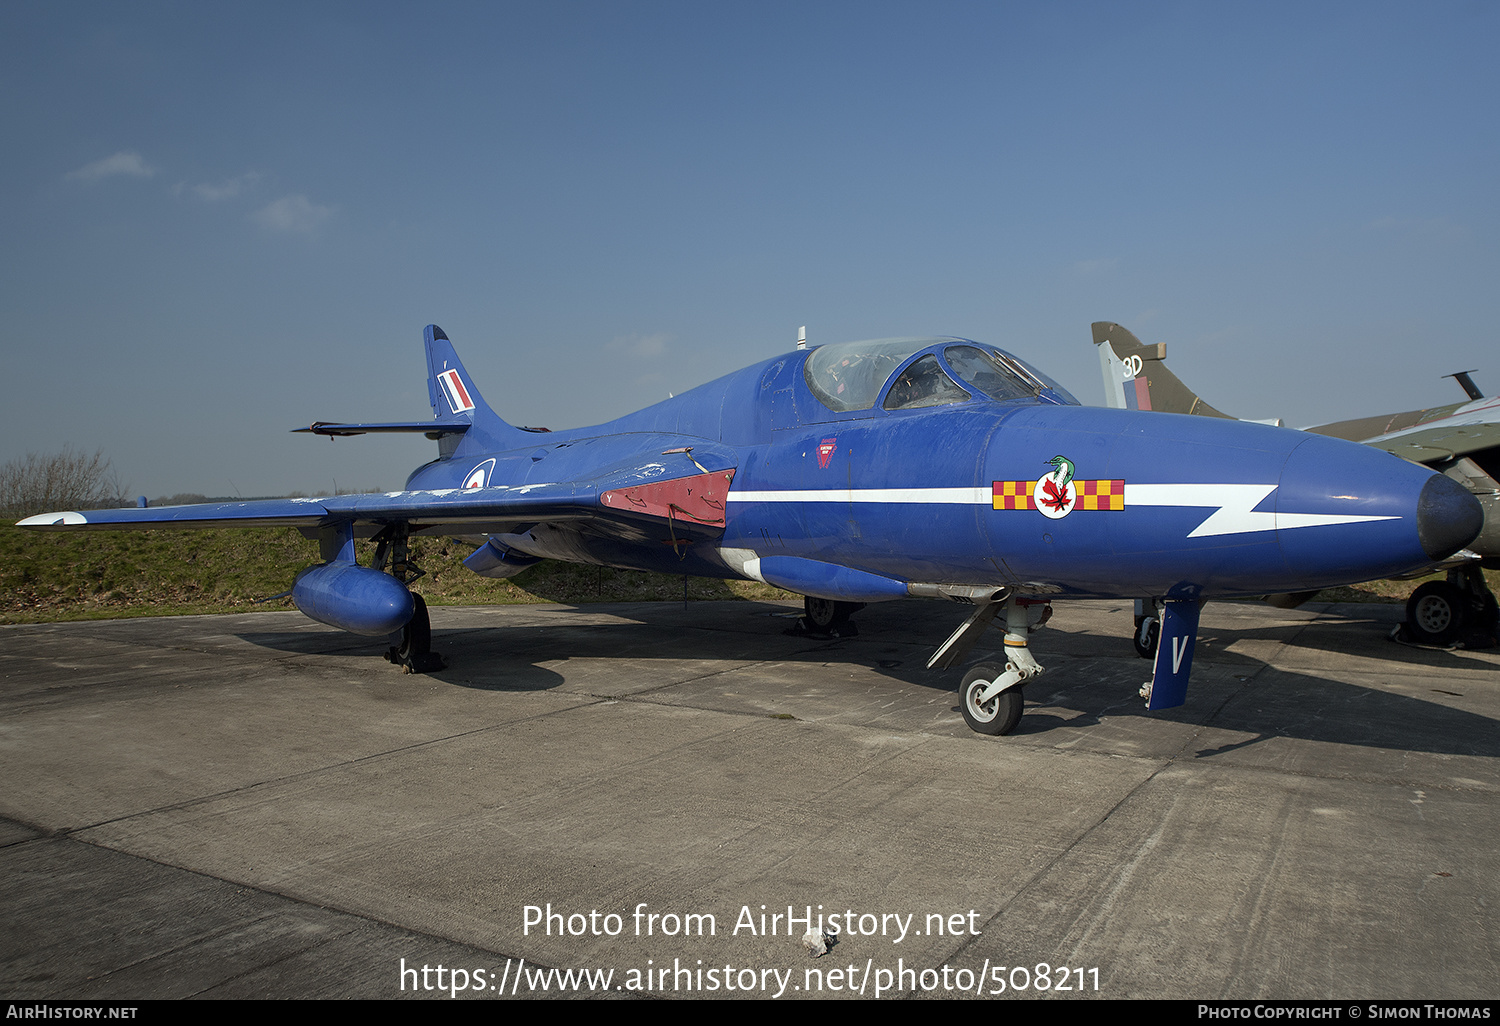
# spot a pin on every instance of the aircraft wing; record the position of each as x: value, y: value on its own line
x: 1470, y: 429
x: 655, y: 482
x: 254, y: 513
x: 470, y: 508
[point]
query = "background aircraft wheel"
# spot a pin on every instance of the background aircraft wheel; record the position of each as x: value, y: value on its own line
x: 1436, y: 613
x: 1147, y: 634
x: 825, y: 615
x: 997, y: 716
x: 821, y: 613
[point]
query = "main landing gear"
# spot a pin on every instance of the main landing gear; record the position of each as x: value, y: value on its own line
x: 414, y: 653
x: 1147, y: 629
x: 991, y: 697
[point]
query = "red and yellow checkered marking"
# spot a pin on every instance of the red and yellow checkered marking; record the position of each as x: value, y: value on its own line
x: 1100, y: 494
x: 1094, y: 495
x: 1014, y: 495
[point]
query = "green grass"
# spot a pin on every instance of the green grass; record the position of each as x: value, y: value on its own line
x: 48, y: 576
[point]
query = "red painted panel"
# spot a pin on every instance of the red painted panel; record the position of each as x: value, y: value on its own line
x: 698, y: 499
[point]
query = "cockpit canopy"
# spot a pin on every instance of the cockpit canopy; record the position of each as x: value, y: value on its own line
x: 849, y: 376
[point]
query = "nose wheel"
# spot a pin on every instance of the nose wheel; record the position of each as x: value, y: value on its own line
x: 996, y: 715
x: 1437, y: 613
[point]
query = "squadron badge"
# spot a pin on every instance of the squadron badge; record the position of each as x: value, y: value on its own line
x: 1057, y: 494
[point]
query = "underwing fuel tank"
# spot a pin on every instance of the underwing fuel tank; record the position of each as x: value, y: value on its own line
x: 353, y: 598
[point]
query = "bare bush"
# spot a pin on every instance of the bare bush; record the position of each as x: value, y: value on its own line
x: 65, y: 480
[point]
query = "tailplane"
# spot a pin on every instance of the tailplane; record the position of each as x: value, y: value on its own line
x: 461, y: 420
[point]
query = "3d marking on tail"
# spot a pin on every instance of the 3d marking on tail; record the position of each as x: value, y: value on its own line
x: 1135, y: 378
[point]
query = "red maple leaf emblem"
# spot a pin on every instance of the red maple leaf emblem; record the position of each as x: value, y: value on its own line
x: 1056, y: 498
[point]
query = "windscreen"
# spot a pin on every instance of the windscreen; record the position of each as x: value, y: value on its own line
x: 987, y: 373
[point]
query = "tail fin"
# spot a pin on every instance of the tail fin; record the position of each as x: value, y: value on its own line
x: 1136, y: 378
x: 454, y: 396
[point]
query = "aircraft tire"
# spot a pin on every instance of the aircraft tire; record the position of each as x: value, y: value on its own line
x: 415, y: 654
x: 997, y: 716
x: 1146, y: 637
x: 1437, y: 613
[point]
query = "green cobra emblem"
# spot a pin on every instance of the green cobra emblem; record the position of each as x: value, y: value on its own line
x: 1062, y: 471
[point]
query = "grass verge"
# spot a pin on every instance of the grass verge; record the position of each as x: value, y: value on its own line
x: 46, y: 576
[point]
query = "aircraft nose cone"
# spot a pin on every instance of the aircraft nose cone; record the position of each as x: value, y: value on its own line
x: 1448, y: 517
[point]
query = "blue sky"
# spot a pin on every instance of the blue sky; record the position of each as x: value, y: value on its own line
x: 225, y: 220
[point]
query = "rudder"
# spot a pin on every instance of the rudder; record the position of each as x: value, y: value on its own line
x: 454, y: 396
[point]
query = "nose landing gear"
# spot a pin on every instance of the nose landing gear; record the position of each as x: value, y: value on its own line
x: 990, y: 696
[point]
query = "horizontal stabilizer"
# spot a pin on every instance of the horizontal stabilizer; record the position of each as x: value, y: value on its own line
x: 432, y: 429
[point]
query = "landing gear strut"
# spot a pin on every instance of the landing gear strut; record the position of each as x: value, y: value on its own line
x: 1147, y: 628
x: 414, y: 654
x: 990, y: 697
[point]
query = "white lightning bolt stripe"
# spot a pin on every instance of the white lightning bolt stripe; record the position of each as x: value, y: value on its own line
x: 1236, y: 508
x: 940, y: 496
x: 1235, y: 513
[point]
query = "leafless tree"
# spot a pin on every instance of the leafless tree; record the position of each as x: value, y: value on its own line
x: 65, y: 480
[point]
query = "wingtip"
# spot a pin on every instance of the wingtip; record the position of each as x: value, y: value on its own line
x: 63, y: 519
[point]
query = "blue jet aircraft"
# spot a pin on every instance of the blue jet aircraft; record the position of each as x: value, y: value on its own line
x: 865, y: 471
x: 1461, y: 440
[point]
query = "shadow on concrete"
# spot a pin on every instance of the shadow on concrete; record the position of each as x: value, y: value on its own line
x: 1091, y: 675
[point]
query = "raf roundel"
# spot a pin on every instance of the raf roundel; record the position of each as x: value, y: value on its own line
x: 479, y: 475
